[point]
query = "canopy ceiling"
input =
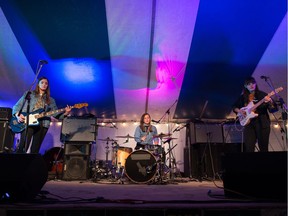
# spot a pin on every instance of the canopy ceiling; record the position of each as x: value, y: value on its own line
x: 183, y: 59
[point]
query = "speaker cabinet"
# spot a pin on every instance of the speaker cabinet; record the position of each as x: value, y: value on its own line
x: 261, y: 175
x: 5, y: 113
x: 233, y: 133
x: 22, y: 176
x: 205, y: 159
x: 76, y: 167
x: 78, y: 129
x: 77, y: 148
x: 204, y: 132
x: 6, y: 137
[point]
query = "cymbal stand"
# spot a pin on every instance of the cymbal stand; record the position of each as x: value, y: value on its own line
x: 161, y: 166
x: 106, y: 161
x: 171, y: 160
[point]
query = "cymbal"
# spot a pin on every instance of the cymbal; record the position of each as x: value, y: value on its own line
x: 107, y: 139
x: 161, y: 135
x: 168, y: 139
x: 127, y: 136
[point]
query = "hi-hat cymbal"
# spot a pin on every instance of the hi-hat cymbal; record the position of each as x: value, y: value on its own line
x: 127, y: 136
x: 161, y: 135
x: 107, y: 139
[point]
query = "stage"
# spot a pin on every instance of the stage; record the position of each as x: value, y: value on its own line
x: 180, y: 196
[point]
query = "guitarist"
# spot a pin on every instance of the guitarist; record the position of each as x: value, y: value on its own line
x: 39, y: 99
x: 258, y: 129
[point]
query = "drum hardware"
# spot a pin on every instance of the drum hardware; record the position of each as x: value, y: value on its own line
x: 161, y: 162
x: 54, y: 160
x: 171, y: 159
x: 108, y: 171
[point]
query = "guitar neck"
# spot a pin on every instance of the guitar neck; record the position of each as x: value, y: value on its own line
x: 44, y: 114
x: 257, y: 104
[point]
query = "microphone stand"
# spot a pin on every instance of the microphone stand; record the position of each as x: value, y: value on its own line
x: 167, y: 112
x: 27, y: 99
x: 283, y: 108
x: 164, y: 162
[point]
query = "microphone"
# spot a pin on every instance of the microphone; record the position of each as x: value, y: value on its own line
x: 43, y: 62
x: 264, y: 77
x: 155, y: 121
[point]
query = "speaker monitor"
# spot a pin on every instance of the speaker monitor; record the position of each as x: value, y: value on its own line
x: 78, y: 129
x: 261, y: 175
x: 22, y: 176
x: 6, y: 137
x: 76, y: 167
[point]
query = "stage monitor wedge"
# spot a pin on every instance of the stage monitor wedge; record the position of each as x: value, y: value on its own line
x: 256, y: 175
x: 21, y: 176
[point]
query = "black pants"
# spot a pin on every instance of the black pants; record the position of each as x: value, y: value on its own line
x: 36, y: 134
x: 255, y: 132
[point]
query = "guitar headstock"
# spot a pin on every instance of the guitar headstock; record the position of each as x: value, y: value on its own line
x: 276, y: 90
x: 80, y: 105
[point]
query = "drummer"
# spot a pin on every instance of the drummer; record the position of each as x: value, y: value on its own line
x: 144, y: 133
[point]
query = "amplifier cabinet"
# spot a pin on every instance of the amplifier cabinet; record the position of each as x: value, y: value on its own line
x: 6, y: 137
x: 5, y: 113
x: 204, y: 132
x: 233, y: 133
x: 78, y: 129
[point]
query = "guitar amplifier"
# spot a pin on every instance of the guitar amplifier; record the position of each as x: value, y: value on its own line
x: 5, y: 113
x: 78, y: 129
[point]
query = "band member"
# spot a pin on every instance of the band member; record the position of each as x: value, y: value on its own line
x: 145, y: 133
x: 258, y: 128
x: 39, y: 99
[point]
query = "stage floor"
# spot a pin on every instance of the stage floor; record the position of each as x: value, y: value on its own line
x: 176, y: 196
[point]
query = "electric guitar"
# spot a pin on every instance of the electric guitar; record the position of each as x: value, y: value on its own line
x: 17, y: 127
x: 249, y: 109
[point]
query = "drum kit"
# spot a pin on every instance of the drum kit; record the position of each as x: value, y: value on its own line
x: 138, y: 166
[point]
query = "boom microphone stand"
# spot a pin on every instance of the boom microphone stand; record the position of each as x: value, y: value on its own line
x: 27, y: 99
x: 162, y: 148
x: 283, y: 108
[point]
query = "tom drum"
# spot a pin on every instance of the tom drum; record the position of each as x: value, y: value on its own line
x: 122, y: 154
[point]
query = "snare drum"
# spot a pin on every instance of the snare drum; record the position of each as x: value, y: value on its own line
x: 141, y: 166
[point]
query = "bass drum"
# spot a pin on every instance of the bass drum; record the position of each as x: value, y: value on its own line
x: 141, y: 166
